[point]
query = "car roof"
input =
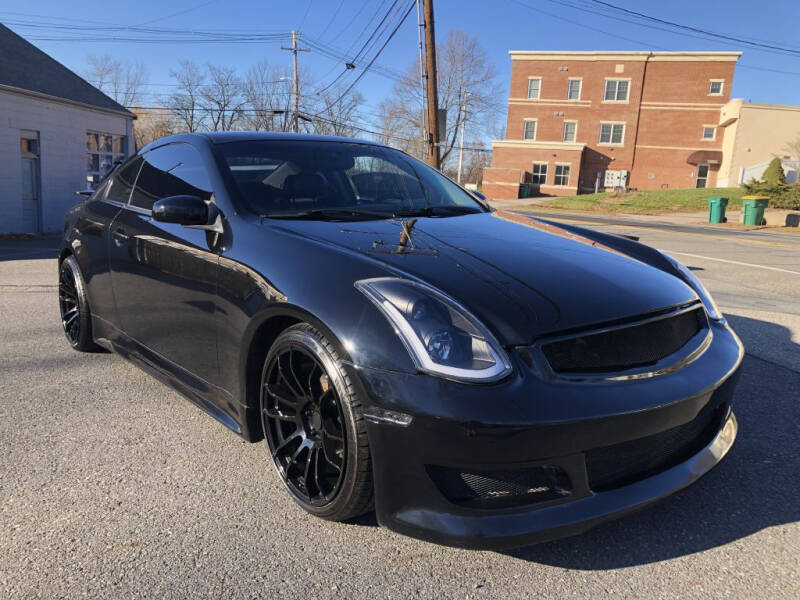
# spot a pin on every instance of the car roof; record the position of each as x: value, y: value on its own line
x: 224, y: 137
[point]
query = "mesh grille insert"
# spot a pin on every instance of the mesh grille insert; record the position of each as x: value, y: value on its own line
x: 626, y: 347
x: 614, y: 466
x: 500, y: 488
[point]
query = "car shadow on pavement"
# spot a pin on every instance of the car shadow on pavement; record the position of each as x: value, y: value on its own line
x: 27, y: 249
x: 756, y: 486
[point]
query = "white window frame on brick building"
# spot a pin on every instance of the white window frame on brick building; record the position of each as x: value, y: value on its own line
x: 539, y: 173
x: 613, y: 126
x: 525, y: 124
x: 712, y: 83
x: 705, y: 136
x: 570, y: 82
x: 538, y: 88
x: 560, y: 176
x: 574, y: 136
x: 615, y: 95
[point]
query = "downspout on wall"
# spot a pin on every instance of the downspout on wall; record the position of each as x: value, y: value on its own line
x: 639, y: 112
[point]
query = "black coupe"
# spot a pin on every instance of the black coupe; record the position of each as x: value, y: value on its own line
x: 479, y: 377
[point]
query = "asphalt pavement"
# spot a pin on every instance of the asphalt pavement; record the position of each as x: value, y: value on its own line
x: 114, y: 486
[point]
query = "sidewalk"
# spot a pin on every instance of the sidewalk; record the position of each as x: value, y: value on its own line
x: 774, y: 217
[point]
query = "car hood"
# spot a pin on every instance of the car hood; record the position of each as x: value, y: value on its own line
x: 521, y: 276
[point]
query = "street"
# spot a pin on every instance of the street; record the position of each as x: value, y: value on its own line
x: 114, y: 486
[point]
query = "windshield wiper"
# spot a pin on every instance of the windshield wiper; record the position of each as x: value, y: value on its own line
x: 331, y: 214
x: 441, y: 210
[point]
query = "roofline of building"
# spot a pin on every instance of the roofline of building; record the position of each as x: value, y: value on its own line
x: 23, y: 92
x: 628, y: 55
x: 793, y: 107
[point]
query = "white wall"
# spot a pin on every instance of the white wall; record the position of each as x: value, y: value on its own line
x: 62, y: 136
x: 791, y: 168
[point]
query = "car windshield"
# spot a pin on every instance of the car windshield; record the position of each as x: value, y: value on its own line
x: 338, y: 180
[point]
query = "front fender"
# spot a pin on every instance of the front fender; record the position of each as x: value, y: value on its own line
x: 257, y: 284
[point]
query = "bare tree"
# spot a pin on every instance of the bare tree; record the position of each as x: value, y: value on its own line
x: 400, y: 126
x: 186, y: 101
x: 222, y: 98
x: 475, y: 159
x: 122, y: 81
x: 336, y: 110
x: 793, y: 147
x: 152, y: 124
x: 463, y: 67
x: 267, y: 98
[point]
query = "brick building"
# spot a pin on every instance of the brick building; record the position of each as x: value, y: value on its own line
x: 642, y: 119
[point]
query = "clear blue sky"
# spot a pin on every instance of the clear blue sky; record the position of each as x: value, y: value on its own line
x: 501, y: 24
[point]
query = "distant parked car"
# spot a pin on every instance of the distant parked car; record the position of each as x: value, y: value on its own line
x: 480, y: 377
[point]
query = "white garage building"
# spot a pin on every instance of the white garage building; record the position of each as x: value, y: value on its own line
x: 55, y: 131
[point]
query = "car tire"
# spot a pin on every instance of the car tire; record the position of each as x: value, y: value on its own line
x: 312, y: 419
x: 76, y: 318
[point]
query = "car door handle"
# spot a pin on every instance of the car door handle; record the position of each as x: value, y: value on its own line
x: 120, y: 237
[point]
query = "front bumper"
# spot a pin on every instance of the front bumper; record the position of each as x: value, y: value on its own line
x: 524, y: 424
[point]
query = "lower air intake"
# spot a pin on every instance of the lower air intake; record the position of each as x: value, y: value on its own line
x: 500, y: 488
x: 614, y: 466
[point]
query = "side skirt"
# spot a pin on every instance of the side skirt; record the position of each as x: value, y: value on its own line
x: 191, y: 387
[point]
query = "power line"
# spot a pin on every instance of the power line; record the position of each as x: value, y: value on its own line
x: 732, y: 38
x: 252, y: 40
x: 102, y: 27
x: 583, y: 25
x: 374, y: 58
x: 95, y: 81
x: 376, y: 31
x: 645, y: 44
x: 347, y: 25
x: 305, y: 15
x: 350, y: 64
x: 366, y: 26
x: 637, y: 21
x: 331, y: 21
x: 767, y: 69
x: 339, y: 56
x: 180, y: 12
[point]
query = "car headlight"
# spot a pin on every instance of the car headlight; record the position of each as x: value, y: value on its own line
x: 441, y: 336
x: 693, y: 282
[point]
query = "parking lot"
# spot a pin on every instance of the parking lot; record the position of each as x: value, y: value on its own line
x: 114, y: 486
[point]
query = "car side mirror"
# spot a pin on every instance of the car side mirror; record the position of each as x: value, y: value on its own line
x: 183, y: 210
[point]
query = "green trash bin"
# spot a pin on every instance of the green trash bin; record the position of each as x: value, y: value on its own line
x: 753, y: 207
x: 716, y: 209
x: 524, y: 190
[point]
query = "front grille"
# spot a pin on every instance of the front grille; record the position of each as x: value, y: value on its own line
x: 614, y: 466
x: 625, y: 347
x: 500, y: 488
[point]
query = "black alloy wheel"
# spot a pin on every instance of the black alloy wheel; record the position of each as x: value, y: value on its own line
x: 68, y: 302
x: 313, y: 426
x: 74, y: 306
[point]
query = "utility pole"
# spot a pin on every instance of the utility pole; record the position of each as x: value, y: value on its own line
x: 433, y: 93
x: 294, y: 49
x: 463, y: 128
x: 423, y: 129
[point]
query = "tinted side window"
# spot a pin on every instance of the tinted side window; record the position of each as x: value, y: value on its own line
x: 170, y: 171
x: 119, y: 189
